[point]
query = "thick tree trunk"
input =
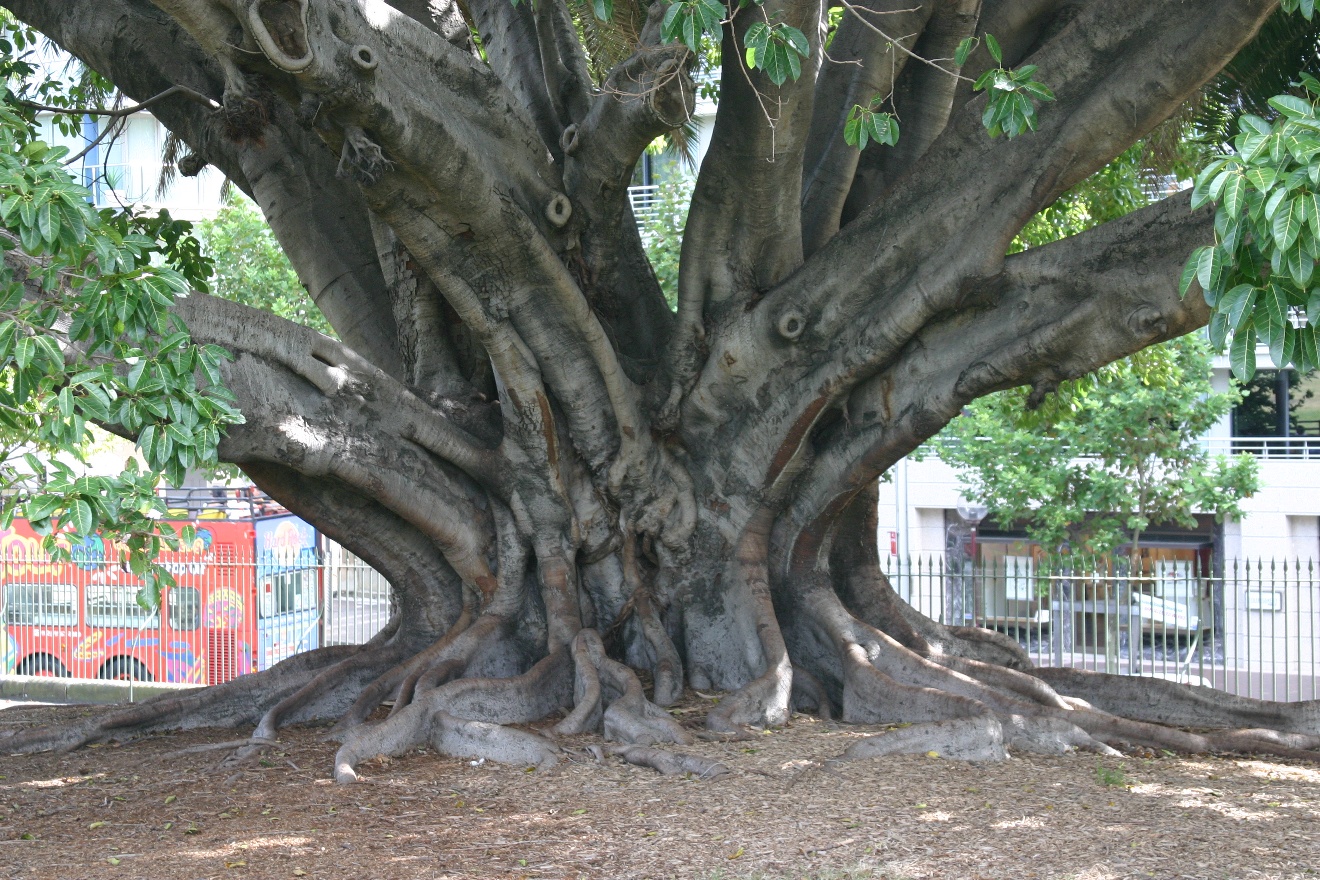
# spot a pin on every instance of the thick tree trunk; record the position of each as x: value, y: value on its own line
x: 564, y: 481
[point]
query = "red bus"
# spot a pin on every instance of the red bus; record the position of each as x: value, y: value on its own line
x: 247, y: 595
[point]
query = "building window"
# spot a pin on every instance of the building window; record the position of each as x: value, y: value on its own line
x: 1279, y: 403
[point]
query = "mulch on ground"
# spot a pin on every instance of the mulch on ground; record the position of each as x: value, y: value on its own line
x: 164, y: 807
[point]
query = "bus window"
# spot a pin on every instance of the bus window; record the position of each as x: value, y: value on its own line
x: 117, y: 606
x: 41, y: 605
x: 185, y: 605
x: 287, y: 591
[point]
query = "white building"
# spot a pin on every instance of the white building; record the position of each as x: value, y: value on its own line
x: 124, y: 167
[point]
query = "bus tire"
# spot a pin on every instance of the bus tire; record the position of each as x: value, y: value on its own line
x: 42, y: 665
x: 124, y: 669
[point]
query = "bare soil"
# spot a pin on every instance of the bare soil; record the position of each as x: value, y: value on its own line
x: 165, y: 807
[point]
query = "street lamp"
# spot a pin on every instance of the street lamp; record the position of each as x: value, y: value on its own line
x: 972, y: 513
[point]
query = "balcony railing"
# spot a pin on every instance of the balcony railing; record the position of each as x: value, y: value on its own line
x: 1295, y: 448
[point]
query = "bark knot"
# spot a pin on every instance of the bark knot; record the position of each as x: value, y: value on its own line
x: 1147, y: 321
x: 791, y: 324
x: 559, y: 210
x: 364, y: 58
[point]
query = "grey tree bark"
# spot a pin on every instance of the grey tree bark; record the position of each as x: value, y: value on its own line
x: 566, y: 482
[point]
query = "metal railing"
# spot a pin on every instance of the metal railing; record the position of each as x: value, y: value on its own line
x: 645, y: 202
x: 1295, y: 448
x: 229, y: 613
x: 1249, y: 628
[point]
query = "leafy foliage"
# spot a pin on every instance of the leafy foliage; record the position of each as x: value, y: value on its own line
x: 86, y: 337
x: 778, y: 49
x: 1009, y: 108
x: 1260, y: 272
x: 688, y: 21
x: 1105, y: 456
x: 248, y: 266
x: 868, y: 123
x: 663, y: 234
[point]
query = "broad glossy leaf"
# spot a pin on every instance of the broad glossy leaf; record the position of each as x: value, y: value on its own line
x: 1237, y: 303
x: 1209, y: 266
x: 1287, y: 224
x: 1291, y: 107
x: 1234, y: 192
x: 1242, y: 354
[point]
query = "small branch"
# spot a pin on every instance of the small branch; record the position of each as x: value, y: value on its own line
x: 896, y: 42
x: 125, y: 111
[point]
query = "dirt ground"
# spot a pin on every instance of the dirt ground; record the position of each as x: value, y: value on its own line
x: 164, y: 808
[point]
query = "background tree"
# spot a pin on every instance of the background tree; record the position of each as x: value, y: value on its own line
x: 248, y: 266
x: 562, y: 478
x: 1107, y: 455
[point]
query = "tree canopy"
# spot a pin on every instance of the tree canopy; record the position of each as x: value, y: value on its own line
x: 565, y: 480
x: 1107, y: 456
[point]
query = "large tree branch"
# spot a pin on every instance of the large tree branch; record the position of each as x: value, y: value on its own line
x: 861, y: 63
x: 855, y: 305
x: 744, y: 231
x: 319, y: 220
x: 1055, y: 313
x: 650, y: 93
x: 314, y: 407
x: 923, y: 100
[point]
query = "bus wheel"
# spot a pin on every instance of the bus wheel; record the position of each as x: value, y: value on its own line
x: 124, y: 669
x: 44, y: 666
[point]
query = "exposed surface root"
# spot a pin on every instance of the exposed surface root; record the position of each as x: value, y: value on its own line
x: 419, y: 725
x: 1164, y: 702
x: 232, y: 704
x: 764, y: 702
x: 1050, y: 736
x: 444, y: 718
x: 809, y: 693
x: 608, y: 696
x: 367, y: 663
x: 963, y: 739
x: 460, y: 642
x: 670, y: 763
x: 424, y: 680
x: 667, y: 671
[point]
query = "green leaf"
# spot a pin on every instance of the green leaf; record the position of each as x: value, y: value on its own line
x: 1209, y: 266
x: 797, y: 40
x: 1283, y: 342
x: 1261, y: 178
x: 1242, y: 354
x: 1234, y: 193
x: 603, y: 9
x: 1275, y: 302
x: 1293, y: 108
x: 1236, y: 304
x: 993, y: 45
x: 1189, y: 273
x: 83, y: 519
x: 964, y: 49
x: 1308, y: 350
x: 1287, y: 223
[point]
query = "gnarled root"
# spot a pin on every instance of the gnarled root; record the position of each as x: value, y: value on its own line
x: 346, y: 676
x: 963, y: 739
x: 419, y: 724
x: 608, y: 694
x: 439, y: 715
x: 1165, y: 702
x: 232, y: 704
x: 670, y: 763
